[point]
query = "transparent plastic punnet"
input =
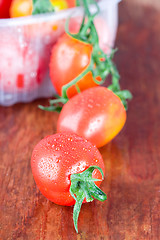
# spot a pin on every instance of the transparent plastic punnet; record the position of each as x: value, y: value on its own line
x: 25, y: 47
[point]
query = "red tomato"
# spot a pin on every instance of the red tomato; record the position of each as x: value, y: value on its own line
x: 4, y: 8
x: 102, y: 28
x: 56, y: 157
x: 22, y: 69
x: 22, y: 8
x: 96, y: 114
x: 69, y: 58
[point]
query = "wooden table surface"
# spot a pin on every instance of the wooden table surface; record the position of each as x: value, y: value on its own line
x: 132, y: 159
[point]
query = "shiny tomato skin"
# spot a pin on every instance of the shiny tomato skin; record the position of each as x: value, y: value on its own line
x: 4, y: 8
x: 96, y: 114
x: 69, y: 58
x: 58, y: 156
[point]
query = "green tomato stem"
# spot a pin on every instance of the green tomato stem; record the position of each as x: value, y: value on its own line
x: 83, y: 187
x: 50, y: 108
x: 74, y: 81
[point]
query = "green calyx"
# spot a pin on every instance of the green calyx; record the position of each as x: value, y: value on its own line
x: 83, y: 187
x: 42, y: 6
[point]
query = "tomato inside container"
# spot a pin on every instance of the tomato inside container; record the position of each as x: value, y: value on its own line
x: 25, y: 47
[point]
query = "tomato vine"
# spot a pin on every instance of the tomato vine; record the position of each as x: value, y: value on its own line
x: 101, y: 64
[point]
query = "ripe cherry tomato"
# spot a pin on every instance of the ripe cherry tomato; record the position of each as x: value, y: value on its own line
x: 22, y: 69
x: 4, y: 8
x: 105, y: 41
x: 96, y: 114
x: 56, y: 158
x: 69, y: 58
x: 21, y: 8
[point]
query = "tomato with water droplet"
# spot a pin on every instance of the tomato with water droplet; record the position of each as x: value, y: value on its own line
x: 53, y: 164
x: 96, y: 114
x: 65, y: 173
x: 75, y: 56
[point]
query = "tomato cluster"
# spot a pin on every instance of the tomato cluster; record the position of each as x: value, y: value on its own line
x: 22, y: 8
x: 67, y: 166
x: 30, y: 67
x: 96, y: 113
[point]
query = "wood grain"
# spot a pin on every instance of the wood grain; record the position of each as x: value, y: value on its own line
x: 132, y: 159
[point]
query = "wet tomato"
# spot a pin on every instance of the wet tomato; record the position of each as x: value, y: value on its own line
x: 96, y: 114
x: 69, y: 58
x: 56, y: 157
x: 68, y: 170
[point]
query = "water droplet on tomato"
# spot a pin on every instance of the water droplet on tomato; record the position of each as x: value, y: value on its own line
x: 97, y: 104
x: 90, y: 100
x: 90, y: 106
x: 58, y: 160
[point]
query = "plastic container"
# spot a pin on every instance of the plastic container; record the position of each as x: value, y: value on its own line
x: 25, y: 46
